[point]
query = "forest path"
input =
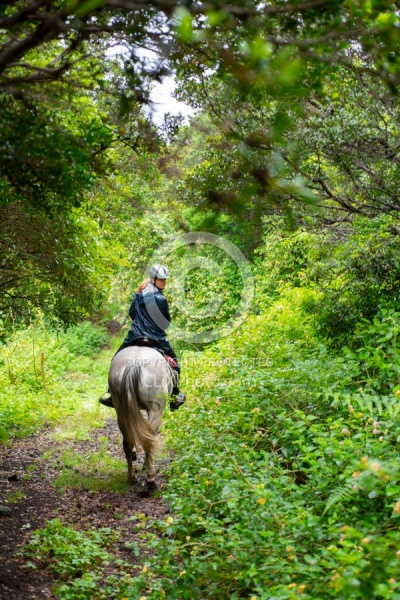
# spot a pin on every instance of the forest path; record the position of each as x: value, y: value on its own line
x: 28, y: 471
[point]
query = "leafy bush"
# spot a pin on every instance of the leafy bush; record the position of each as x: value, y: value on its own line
x: 354, y: 278
x: 285, y: 478
x: 75, y: 557
x: 373, y: 359
x: 69, y: 552
x: 360, y: 277
x: 285, y: 258
x: 46, y: 375
x: 84, y: 339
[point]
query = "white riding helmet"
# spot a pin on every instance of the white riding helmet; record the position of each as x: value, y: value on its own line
x: 159, y: 272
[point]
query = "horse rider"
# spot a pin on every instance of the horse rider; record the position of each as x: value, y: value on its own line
x: 150, y: 316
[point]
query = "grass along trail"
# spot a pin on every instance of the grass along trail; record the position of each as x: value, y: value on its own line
x: 81, y: 483
x: 63, y: 472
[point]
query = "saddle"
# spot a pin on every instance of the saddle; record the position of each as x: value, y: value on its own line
x: 146, y: 341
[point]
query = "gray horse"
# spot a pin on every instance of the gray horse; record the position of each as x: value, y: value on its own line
x: 140, y: 379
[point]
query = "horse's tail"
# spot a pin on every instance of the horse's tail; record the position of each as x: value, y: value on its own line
x: 137, y: 429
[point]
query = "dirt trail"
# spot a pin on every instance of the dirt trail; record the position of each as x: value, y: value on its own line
x: 24, y: 474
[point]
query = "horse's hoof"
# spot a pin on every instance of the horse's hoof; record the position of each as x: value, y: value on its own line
x: 148, y: 489
x: 151, y: 486
x: 132, y: 479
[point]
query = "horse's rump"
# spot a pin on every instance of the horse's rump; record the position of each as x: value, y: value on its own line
x: 139, y: 379
x: 134, y: 426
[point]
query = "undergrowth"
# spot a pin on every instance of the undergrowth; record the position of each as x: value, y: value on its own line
x: 285, y: 480
x: 48, y: 377
x: 78, y: 559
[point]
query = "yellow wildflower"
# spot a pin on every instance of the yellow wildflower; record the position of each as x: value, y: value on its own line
x: 261, y: 501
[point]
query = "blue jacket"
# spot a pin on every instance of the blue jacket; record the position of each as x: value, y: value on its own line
x: 150, y: 314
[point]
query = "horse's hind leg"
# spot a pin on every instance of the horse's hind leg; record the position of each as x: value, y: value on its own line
x: 128, y: 453
x: 151, y: 472
x: 154, y: 414
x: 155, y: 420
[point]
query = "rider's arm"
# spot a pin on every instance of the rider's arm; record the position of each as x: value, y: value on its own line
x: 163, y: 306
x: 132, y: 311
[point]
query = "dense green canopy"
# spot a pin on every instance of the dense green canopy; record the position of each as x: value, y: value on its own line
x: 299, y: 117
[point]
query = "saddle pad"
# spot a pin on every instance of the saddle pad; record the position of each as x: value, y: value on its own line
x: 171, y: 361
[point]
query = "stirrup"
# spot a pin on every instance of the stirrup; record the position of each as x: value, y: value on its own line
x: 106, y: 400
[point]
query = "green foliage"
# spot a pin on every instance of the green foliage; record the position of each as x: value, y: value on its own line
x: 93, y: 471
x: 84, y: 339
x: 16, y: 496
x: 48, y: 163
x: 359, y: 277
x: 51, y: 156
x: 284, y: 482
x: 354, y: 279
x: 289, y: 484
x: 374, y: 361
x: 278, y: 126
x: 61, y: 191
x: 46, y: 375
x: 75, y: 557
x: 69, y: 552
x: 324, y: 150
x: 204, y: 302
x: 285, y: 258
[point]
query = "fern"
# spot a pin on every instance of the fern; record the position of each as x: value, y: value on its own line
x: 340, y: 495
x: 374, y: 405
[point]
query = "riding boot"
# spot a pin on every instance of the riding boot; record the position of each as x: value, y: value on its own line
x: 179, y: 399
